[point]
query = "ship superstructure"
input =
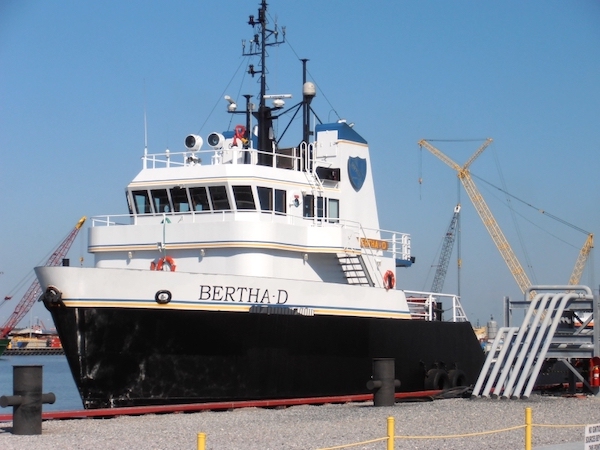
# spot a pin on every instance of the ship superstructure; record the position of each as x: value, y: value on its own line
x: 246, y: 270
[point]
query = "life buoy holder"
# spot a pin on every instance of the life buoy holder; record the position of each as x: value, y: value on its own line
x: 161, y: 262
x: 240, y: 133
x: 389, y: 280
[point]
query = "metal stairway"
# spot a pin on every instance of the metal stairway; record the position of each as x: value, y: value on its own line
x: 354, y: 269
x: 517, y: 354
x: 311, y: 175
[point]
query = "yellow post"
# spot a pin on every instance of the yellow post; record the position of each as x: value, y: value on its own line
x: 201, y: 441
x: 390, y: 433
x: 527, y: 428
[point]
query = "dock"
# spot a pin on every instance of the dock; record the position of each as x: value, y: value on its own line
x: 34, y: 351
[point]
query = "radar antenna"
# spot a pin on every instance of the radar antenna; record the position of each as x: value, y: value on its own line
x: 258, y: 46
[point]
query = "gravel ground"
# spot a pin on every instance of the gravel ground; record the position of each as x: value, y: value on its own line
x: 318, y: 427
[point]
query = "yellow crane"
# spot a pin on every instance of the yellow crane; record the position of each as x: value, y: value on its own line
x: 494, y: 229
x: 582, y: 259
x: 484, y: 211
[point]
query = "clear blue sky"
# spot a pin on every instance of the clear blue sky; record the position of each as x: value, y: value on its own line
x: 75, y: 78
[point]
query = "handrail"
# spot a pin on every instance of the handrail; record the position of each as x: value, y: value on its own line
x: 398, y: 244
x: 423, y: 306
x: 296, y: 160
x: 303, y: 158
x: 371, y: 261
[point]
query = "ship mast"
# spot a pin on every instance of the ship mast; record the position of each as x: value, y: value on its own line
x: 258, y: 46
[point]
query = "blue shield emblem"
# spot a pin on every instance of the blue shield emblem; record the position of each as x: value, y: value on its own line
x: 357, y: 172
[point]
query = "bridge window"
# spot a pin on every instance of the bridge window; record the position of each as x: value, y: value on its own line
x: 265, y: 198
x: 321, y: 207
x: 309, y: 205
x: 334, y: 210
x: 199, y: 199
x: 161, y: 201
x: 180, y: 199
x: 280, y: 201
x: 271, y: 200
x: 218, y: 195
x: 142, y: 202
x: 243, y: 197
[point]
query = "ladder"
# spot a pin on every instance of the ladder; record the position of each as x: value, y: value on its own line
x: 517, y: 354
x: 354, y: 269
x: 310, y: 171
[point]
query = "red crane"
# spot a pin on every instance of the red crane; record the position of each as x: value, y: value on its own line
x: 29, y: 298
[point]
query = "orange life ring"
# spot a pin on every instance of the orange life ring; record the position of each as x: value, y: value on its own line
x: 161, y: 262
x: 389, y: 280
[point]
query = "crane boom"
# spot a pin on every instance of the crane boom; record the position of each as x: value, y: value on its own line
x: 442, y: 268
x: 484, y: 212
x: 582, y: 259
x: 29, y: 298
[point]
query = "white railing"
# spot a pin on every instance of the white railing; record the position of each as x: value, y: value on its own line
x: 396, y: 244
x: 304, y: 158
x: 393, y: 243
x: 288, y: 158
x: 430, y: 306
x: 227, y: 215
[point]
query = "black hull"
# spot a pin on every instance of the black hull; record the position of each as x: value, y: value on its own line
x: 132, y: 357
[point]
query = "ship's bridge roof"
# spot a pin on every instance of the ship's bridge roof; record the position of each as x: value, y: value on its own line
x: 345, y: 131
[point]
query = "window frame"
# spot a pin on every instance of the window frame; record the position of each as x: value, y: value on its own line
x: 217, y: 205
x: 243, y: 197
x: 195, y: 194
x: 176, y: 195
x: 330, y: 202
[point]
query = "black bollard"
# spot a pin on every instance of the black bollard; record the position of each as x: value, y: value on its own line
x: 27, y: 400
x: 383, y: 384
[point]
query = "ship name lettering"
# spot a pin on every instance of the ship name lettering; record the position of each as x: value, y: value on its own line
x: 251, y: 295
x: 242, y: 294
x: 375, y: 244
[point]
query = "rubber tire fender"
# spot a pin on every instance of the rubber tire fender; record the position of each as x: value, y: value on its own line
x: 457, y: 378
x: 52, y: 297
x: 163, y: 297
x: 437, y: 379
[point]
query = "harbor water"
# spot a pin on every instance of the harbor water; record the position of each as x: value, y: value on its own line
x: 56, y: 378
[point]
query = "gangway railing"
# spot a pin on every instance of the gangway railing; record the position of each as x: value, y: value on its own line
x: 548, y: 331
x: 428, y: 306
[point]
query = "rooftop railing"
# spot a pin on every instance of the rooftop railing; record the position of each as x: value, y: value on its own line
x: 293, y: 158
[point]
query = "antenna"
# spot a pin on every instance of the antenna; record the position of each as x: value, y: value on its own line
x: 145, y: 134
x: 145, y: 124
x: 265, y: 37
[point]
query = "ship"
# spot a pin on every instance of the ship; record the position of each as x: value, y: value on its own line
x: 246, y: 270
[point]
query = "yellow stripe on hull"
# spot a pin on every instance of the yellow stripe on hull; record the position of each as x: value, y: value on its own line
x: 239, y: 244
x: 227, y: 308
